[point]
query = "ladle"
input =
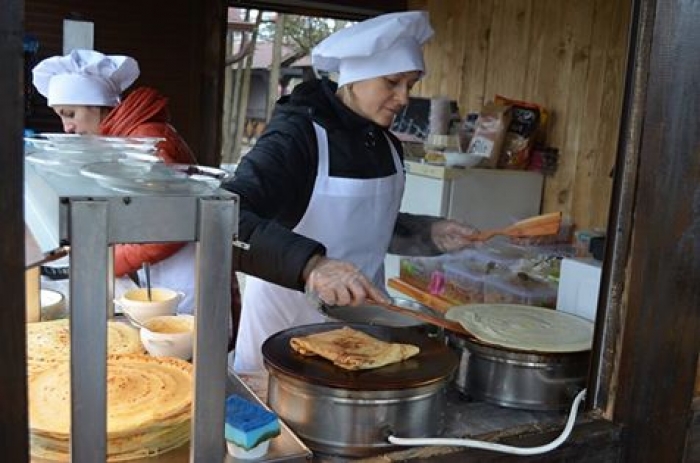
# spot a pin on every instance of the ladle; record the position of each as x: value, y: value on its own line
x: 432, y: 319
x: 147, y: 273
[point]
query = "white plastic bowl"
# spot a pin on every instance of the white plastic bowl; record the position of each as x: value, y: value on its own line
x: 256, y: 452
x: 169, y: 336
x: 163, y: 302
x: 459, y: 159
x: 53, y: 305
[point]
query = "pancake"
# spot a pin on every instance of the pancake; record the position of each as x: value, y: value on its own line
x: 524, y: 327
x: 149, y: 403
x: 48, y: 343
x: 352, y: 349
x: 142, y: 391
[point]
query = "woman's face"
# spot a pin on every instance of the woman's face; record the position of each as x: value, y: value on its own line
x: 83, y: 120
x: 379, y: 99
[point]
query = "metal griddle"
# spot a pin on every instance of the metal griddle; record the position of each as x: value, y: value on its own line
x: 434, y: 362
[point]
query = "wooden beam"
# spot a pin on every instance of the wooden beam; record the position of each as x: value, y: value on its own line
x: 342, y: 9
x: 211, y: 28
x: 660, y: 341
x: 14, y: 444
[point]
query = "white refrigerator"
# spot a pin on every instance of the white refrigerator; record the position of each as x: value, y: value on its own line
x: 484, y: 198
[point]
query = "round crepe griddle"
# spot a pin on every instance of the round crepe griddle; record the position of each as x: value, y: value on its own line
x: 434, y: 362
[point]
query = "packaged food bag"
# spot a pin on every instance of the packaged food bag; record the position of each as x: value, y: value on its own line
x: 526, y: 125
x: 491, y: 127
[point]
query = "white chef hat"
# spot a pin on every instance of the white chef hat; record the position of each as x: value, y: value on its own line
x: 85, y: 77
x: 379, y: 46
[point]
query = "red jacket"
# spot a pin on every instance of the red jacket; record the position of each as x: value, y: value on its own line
x: 144, y: 113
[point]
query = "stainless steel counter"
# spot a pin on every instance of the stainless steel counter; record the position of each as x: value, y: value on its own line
x: 286, y: 447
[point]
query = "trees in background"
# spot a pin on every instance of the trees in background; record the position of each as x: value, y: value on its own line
x: 246, y: 28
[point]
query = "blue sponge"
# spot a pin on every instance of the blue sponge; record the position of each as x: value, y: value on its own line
x: 248, y: 424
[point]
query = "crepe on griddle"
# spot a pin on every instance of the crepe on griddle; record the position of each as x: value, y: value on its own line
x: 525, y: 327
x: 48, y: 343
x: 352, y: 349
x: 148, y: 407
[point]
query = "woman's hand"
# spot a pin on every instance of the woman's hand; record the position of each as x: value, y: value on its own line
x: 336, y: 282
x: 450, y: 235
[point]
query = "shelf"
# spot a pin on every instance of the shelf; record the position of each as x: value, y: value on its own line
x: 74, y: 211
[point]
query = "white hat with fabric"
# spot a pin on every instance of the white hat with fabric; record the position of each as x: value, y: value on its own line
x: 85, y: 77
x: 380, y: 46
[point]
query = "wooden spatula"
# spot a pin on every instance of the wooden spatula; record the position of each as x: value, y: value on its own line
x: 432, y: 319
x: 540, y: 225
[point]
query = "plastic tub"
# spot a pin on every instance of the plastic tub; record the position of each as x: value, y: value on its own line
x: 519, y: 288
x: 427, y: 272
x: 464, y: 281
x: 501, y: 255
x: 421, y: 271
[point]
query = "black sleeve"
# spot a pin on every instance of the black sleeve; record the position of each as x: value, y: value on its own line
x: 412, y: 235
x: 274, y: 182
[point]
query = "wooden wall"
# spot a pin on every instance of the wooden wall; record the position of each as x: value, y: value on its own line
x: 179, y: 45
x: 567, y: 55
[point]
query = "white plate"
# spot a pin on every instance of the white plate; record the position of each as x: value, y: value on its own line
x: 78, y: 142
x: 39, y: 143
x: 68, y: 163
x: 143, y: 177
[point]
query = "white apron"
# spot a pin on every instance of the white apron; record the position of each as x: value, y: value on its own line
x: 177, y: 272
x: 354, y: 219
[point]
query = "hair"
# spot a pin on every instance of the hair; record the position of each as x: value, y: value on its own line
x: 104, y: 111
x: 346, y: 94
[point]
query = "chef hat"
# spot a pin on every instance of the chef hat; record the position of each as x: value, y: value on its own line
x: 379, y: 46
x: 84, y: 77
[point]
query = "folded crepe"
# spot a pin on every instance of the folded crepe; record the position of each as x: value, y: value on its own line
x: 352, y: 349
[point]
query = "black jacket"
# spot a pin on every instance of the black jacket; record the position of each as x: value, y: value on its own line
x: 276, y: 178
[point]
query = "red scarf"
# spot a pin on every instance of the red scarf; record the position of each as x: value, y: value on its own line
x: 145, y: 113
x: 141, y: 106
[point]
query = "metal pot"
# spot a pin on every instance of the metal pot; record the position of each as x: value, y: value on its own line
x: 518, y: 379
x: 351, y: 413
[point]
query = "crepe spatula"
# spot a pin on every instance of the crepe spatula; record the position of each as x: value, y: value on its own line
x: 453, y: 326
x: 539, y: 225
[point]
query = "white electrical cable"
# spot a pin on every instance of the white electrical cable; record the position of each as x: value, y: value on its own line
x: 494, y: 446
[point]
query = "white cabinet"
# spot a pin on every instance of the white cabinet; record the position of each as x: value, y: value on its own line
x: 484, y: 198
x: 426, y: 195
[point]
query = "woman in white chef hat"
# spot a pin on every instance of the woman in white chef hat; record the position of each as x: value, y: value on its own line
x: 321, y: 189
x: 84, y: 88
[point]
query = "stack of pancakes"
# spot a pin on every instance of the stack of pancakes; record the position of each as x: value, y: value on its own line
x: 149, y: 399
x: 48, y: 343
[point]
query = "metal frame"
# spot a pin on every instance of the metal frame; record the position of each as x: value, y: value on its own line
x: 91, y: 219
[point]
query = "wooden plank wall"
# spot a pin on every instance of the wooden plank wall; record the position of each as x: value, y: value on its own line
x: 179, y: 46
x: 567, y: 55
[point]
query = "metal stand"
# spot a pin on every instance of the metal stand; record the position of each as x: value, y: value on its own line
x: 91, y: 219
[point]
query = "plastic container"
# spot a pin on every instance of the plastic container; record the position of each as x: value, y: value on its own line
x: 421, y: 271
x: 464, y: 281
x: 256, y: 452
x: 427, y: 272
x: 519, y: 288
x: 501, y: 255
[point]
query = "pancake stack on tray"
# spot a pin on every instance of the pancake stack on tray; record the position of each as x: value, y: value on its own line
x: 149, y: 399
x: 48, y: 343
